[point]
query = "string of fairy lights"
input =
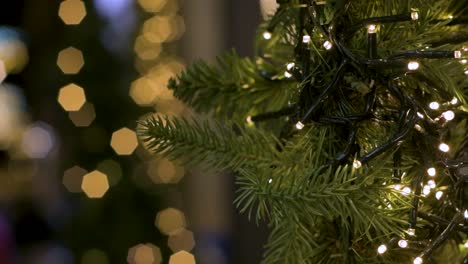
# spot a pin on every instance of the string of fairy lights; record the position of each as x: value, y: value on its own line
x: 413, y: 117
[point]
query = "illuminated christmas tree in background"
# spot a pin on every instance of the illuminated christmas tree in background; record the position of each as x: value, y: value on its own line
x: 347, y: 131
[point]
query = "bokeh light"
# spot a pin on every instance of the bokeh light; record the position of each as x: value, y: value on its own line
x: 71, y: 97
x: 124, y: 141
x: 182, y: 257
x: 146, y: 50
x: 163, y: 171
x: 83, y: 117
x: 73, y: 177
x: 70, y: 60
x: 13, y: 53
x: 38, y: 140
x: 94, y: 256
x: 72, y: 12
x: 144, y: 254
x: 152, y: 6
x: 143, y: 91
x: 95, y: 184
x: 170, y: 220
x: 181, y: 240
x: 13, y: 119
x: 112, y: 169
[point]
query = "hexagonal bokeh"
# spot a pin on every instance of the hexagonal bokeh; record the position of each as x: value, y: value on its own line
x: 181, y: 240
x: 124, y: 141
x: 70, y: 60
x: 152, y: 6
x: 94, y: 256
x: 71, y: 97
x: 146, y: 50
x: 83, y: 117
x: 72, y: 179
x: 170, y: 221
x: 72, y: 12
x: 164, y: 171
x: 95, y: 184
x: 182, y: 257
x: 143, y: 91
x: 144, y: 254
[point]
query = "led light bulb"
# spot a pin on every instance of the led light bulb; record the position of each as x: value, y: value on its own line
x: 406, y: 191
x: 299, y: 125
x: 431, y: 183
x: 418, y: 260
x: 466, y: 72
x: 290, y: 65
x: 434, y: 105
x: 431, y: 172
x: 397, y: 187
x: 270, y: 180
x: 249, y: 120
x: 439, y: 194
x: 450, y: 17
x: 267, y: 35
x: 357, y: 164
x: 382, y: 249
x: 426, y: 190
x: 454, y: 101
x: 306, y: 39
x: 465, y: 214
x: 414, y: 15
x: 420, y: 115
x: 327, y: 45
x: 418, y: 127
x: 457, y: 54
x: 449, y: 115
x: 372, y: 29
x: 287, y: 74
x: 444, y: 147
x: 464, y: 61
x: 466, y: 244
x: 411, y: 231
x: 403, y: 243
x: 413, y: 65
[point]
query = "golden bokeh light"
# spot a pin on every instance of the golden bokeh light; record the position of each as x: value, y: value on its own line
x: 182, y: 257
x: 146, y: 50
x: 152, y: 6
x: 181, y: 240
x: 95, y: 184
x: 143, y: 91
x: 158, y: 29
x: 72, y: 179
x: 163, y: 171
x: 83, y: 117
x: 170, y: 220
x: 70, y: 60
x: 14, y: 54
x: 144, y: 254
x: 112, y: 169
x: 94, y: 256
x: 72, y: 12
x: 71, y: 97
x: 124, y: 141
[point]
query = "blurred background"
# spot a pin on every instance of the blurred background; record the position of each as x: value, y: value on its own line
x: 76, y: 185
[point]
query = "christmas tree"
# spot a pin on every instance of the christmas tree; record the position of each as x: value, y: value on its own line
x: 346, y: 132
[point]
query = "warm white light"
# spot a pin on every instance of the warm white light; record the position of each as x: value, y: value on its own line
x: 287, y: 74
x: 449, y: 115
x: 406, y: 191
x: 290, y: 65
x: 357, y: 164
x: 413, y: 65
x: 454, y: 101
x: 299, y: 125
x: 457, y: 54
x: 249, y: 120
x: 270, y: 180
x: 465, y: 245
x: 431, y: 172
x: 371, y: 29
x: 418, y: 260
x: 411, y: 232
x: 306, y: 39
x: 414, y: 15
x: 403, y: 243
x: 439, y: 195
x: 327, y: 45
x: 382, y: 249
x: 466, y: 72
x: 431, y: 184
x: 420, y: 115
x: 267, y: 35
x: 418, y: 127
x: 397, y: 187
x: 450, y: 17
x: 426, y: 190
x: 464, y: 61
x: 465, y: 214
x: 434, y: 105
x: 444, y: 147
